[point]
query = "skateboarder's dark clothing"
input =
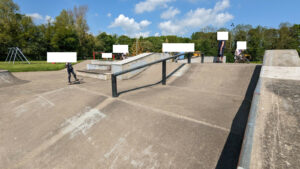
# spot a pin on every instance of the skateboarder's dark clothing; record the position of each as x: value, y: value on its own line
x: 70, y: 70
x: 221, y: 48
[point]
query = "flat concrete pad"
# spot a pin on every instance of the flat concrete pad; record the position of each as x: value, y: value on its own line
x: 47, y: 124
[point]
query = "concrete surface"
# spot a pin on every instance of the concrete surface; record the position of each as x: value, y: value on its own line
x: 196, y: 121
x: 135, y: 61
x: 207, y: 59
x: 277, y: 125
x: 286, y: 57
x: 7, y: 79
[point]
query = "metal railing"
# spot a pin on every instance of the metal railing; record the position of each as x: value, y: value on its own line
x: 164, y: 69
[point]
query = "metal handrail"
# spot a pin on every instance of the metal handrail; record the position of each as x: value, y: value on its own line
x: 164, y: 68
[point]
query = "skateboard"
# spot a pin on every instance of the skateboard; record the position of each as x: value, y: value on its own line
x: 79, y: 81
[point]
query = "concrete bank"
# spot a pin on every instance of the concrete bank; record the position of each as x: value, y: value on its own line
x: 273, y: 129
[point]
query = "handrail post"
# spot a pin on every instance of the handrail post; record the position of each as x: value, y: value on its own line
x: 114, y: 85
x: 202, y: 57
x: 189, y: 58
x: 164, y: 68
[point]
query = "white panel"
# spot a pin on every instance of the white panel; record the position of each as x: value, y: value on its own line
x: 61, y: 57
x: 178, y: 47
x: 222, y: 35
x: 241, y: 45
x: 106, y: 55
x: 120, y: 49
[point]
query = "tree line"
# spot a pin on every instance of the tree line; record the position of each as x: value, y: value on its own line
x: 70, y: 32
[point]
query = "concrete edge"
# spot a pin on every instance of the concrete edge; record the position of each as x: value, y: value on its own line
x: 246, y: 150
x: 245, y: 154
x: 131, y: 59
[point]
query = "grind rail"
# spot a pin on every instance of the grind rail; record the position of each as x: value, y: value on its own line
x: 164, y: 68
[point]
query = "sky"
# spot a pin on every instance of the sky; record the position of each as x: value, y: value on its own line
x: 167, y: 17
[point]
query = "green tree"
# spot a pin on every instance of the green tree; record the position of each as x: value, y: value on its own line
x: 65, y: 37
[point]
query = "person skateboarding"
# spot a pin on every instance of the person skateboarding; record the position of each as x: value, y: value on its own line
x: 221, y: 51
x: 71, y: 70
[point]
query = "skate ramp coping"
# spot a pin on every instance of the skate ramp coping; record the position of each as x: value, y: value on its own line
x: 283, y: 65
x: 8, y: 79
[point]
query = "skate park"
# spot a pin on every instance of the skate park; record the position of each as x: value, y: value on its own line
x: 197, y: 120
x: 149, y: 84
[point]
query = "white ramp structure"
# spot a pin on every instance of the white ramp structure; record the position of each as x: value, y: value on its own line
x: 178, y: 47
x: 15, y: 53
x: 61, y: 57
x: 120, y: 49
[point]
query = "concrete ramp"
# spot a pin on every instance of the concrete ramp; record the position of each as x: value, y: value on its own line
x: 8, y: 79
x: 285, y: 58
x: 273, y: 132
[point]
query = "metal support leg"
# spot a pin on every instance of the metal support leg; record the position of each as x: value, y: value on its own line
x: 114, y: 86
x: 189, y: 58
x: 15, y: 56
x: 9, y: 52
x: 11, y: 55
x: 23, y: 55
x: 164, y: 68
x: 202, y: 58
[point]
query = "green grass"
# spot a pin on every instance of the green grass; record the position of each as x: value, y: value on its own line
x: 257, y: 62
x: 33, y: 66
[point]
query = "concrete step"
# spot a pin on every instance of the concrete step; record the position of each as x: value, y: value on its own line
x: 98, y: 67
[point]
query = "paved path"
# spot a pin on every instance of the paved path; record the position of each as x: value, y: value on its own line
x: 195, y: 121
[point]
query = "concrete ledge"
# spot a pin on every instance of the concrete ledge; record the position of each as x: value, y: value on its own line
x: 277, y: 65
x: 284, y: 58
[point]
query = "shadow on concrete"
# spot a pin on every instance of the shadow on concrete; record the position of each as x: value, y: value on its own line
x: 153, y: 84
x: 231, y: 151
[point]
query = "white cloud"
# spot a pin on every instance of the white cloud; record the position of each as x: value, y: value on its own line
x: 143, y: 34
x: 130, y: 26
x: 170, y: 13
x: 49, y: 19
x: 38, y: 18
x: 109, y: 15
x: 156, y: 34
x: 222, y: 5
x: 150, y: 5
x: 198, y: 18
x: 35, y: 16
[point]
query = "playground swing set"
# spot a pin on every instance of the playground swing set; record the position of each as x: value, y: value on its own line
x: 15, y: 53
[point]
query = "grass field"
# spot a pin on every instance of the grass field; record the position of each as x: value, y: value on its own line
x: 256, y: 62
x: 33, y: 66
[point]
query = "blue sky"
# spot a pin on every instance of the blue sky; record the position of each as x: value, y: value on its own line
x: 164, y: 17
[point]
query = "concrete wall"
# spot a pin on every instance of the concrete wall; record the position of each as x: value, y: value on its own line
x: 134, y: 62
x: 285, y: 58
x: 273, y: 111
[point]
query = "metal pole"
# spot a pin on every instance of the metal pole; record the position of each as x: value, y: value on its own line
x: 15, y: 56
x: 23, y: 55
x: 202, y: 57
x: 114, y: 86
x: 164, y: 68
x: 11, y: 55
x: 189, y: 58
x: 9, y: 51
